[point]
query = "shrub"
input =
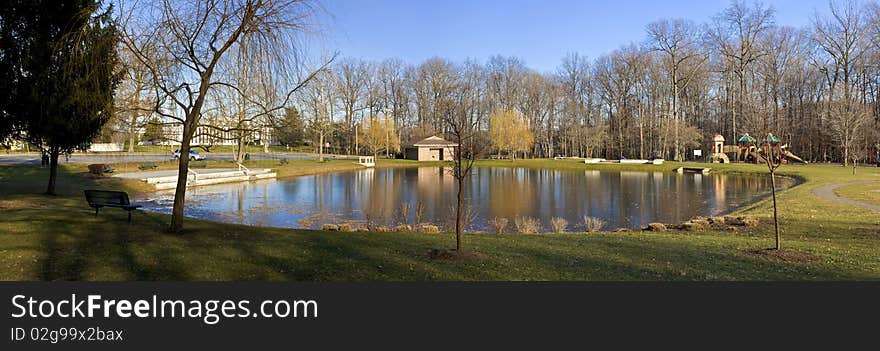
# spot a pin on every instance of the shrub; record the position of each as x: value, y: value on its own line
x: 404, y: 213
x: 499, y: 224
x: 593, y: 224
x: 468, y: 215
x: 527, y: 225
x: 558, y: 224
x: 420, y: 211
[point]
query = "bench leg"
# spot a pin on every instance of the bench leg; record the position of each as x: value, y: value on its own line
x: 96, y: 211
x: 129, y: 217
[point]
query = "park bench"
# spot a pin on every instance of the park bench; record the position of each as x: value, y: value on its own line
x: 147, y: 165
x: 106, y: 198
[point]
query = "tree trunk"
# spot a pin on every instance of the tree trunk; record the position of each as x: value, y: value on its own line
x: 675, y: 118
x: 321, y: 147
x: 241, y: 148
x: 180, y: 190
x: 53, y: 170
x: 775, y: 213
x: 132, y: 129
x: 458, y: 206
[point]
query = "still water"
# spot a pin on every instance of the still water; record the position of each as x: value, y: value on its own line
x: 622, y: 199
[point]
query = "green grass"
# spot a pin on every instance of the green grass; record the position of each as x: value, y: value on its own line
x: 52, y: 238
x: 868, y: 194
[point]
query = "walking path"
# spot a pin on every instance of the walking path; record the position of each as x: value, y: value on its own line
x: 827, y: 192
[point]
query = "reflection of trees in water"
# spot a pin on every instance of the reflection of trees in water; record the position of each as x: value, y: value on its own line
x: 620, y: 198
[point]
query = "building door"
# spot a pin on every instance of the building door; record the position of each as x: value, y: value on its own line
x: 439, y: 153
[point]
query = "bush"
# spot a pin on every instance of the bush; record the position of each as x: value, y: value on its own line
x: 468, y: 215
x: 558, y: 224
x: 527, y: 225
x: 499, y: 224
x: 404, y: 213
x: 593, y: 224
x: 420, y: 212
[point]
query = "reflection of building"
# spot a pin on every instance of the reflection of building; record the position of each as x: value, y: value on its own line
x: 431, y: 149
x: 720, y: 187
x: 439, y: 178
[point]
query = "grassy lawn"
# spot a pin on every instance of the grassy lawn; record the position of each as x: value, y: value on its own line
x: 859, y: 192
x: 58, y: 238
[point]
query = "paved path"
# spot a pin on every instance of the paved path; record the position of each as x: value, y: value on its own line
x: 827, y: 192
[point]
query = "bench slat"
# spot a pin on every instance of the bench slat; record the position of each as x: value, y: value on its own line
x: 107, y: 198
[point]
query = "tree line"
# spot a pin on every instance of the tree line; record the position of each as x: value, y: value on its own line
x: 737, y: 73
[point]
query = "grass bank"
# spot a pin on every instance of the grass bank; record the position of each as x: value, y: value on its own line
x: 51, y: 238
x: 860, y: 192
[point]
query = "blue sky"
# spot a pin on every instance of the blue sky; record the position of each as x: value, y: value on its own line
x: 538, y: 32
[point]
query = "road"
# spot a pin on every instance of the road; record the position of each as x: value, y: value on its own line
x: 34, y: 158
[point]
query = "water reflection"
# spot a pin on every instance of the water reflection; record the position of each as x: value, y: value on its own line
x: 622, y: 199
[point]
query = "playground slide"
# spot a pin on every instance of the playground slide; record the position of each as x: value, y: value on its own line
x: 787, y: 154
x: 792, y: 157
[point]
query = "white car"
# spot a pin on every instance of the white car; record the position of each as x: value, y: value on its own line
x: 193, y: 155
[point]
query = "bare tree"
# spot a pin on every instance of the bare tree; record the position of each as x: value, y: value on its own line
x: 843, y: 40
x: 772, y: 154
x: 462, y: 126
x: 736, y: 33
x: 135, y: 95
x: 677, y: 40
x: 192, y: 40
x: 351, y: 77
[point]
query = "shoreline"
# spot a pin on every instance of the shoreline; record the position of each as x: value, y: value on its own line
x: 52, y: 238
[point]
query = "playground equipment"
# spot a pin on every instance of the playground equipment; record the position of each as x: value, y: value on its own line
x: 718, y: 155
x: 748, y: 149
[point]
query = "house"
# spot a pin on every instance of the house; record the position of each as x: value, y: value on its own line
x: 431, y: 149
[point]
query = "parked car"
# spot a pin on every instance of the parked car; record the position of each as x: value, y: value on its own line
x: 193, y: 155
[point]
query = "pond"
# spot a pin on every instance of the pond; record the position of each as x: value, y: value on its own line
x: 621, y: 199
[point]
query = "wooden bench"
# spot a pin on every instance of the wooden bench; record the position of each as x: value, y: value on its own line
x: 106, y: 198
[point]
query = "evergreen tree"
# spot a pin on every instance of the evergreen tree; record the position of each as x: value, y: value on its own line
x: 61, y: 92
x: 292, y: 128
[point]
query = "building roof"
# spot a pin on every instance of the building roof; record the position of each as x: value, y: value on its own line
x: 434, y: 141
x: 747, y: 139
